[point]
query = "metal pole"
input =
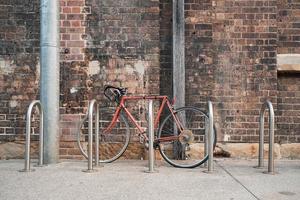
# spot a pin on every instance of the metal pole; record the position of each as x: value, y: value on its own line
x: 151, y: 137
x: 268, y: 105
x: 206, y: 139
x: 41, y: 136
x: 78, y: 136
x: 261, y: 138
x: 90, y: 137
x: 97, y: 137
x: 49, y: 89
x: 271, y: 139
x: 27, y: 140
x: 210, y: 137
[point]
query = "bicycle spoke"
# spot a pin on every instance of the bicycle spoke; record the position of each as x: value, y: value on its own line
x: 114, y: 141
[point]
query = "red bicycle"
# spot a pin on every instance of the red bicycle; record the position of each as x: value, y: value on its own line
x: 180, y: 135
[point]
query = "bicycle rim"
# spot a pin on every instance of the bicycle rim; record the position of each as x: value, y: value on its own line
x: 114, y: 142
x: 188, y: 150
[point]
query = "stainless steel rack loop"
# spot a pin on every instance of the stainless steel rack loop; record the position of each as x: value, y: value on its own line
x: 32, y: 105
x: 210, y: 140
x: 266, y: 105
x: 89, y: 116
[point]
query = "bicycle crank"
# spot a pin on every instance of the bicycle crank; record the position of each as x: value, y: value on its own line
x: 186, y: 136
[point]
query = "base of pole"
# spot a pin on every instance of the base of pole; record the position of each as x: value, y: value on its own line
x: 270, y: 173
x: 27, y: 170
x: 99, y: 166
x: 40, y: 165
x: 208, y: 172
x: 89, y: 170
x: 259, y: 167
x: 151, y: 171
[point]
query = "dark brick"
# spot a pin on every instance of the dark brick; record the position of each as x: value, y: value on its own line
x: 296, y: 25
x: 203, y: 26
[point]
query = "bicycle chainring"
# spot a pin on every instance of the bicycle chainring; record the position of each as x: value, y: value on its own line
x: 186, y: 136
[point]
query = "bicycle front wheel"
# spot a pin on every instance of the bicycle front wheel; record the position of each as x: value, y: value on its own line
x: 114, y: 141
x: 186, y: 149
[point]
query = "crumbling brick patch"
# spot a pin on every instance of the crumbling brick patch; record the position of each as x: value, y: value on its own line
x: 19, y: 64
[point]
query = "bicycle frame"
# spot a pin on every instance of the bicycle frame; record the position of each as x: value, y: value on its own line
x: 165, y: 102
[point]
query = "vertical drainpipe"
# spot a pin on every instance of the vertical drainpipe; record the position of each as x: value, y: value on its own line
x: 49, y: 89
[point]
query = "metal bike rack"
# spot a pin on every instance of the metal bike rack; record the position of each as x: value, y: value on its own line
x: 210, y: 137
x: 27, y: 143
x: 268, y: 105
x: 151, y: 138
x: 206, y: 139
x: 90, y: 114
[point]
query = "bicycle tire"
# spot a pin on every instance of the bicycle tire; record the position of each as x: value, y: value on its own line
x: 177, y: 162
x: 109, y: 144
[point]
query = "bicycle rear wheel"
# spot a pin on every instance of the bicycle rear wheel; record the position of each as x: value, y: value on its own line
x: 187, y: 150
x: 113, y: 142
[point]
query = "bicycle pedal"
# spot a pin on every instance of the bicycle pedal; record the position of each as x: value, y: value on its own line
x: 156, y: 144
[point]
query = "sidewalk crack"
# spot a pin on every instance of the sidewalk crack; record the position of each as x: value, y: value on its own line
x: 239, y: 182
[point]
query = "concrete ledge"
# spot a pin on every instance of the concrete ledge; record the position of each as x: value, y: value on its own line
x: 250, y: 150
x: 288, y: 62
x: 16, y: 150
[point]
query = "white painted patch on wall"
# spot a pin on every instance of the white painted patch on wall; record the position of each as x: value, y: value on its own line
x: 94, y: 67
x: 226, y: 137
x: 13, y: 103
x: 140, y: 67
x: 102, y: 75
x: 73, y: 90
x: 6, y: 66
x: 37, y: 73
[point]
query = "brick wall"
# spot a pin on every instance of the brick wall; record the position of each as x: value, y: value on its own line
x: 231, y: 49
x: 19, y: 64
x: 165, y: 39
x: 231, y: 60
x: 245, y: 75
x: 106, y: 42
x: 72, y: 30
x: 288, y: 19
x: 288, y: 120
x: 288, y: 26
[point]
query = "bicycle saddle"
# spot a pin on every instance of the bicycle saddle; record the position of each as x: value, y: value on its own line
x: 117, y: 92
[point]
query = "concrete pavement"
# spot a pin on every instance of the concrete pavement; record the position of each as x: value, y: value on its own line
x: 231, y: 180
